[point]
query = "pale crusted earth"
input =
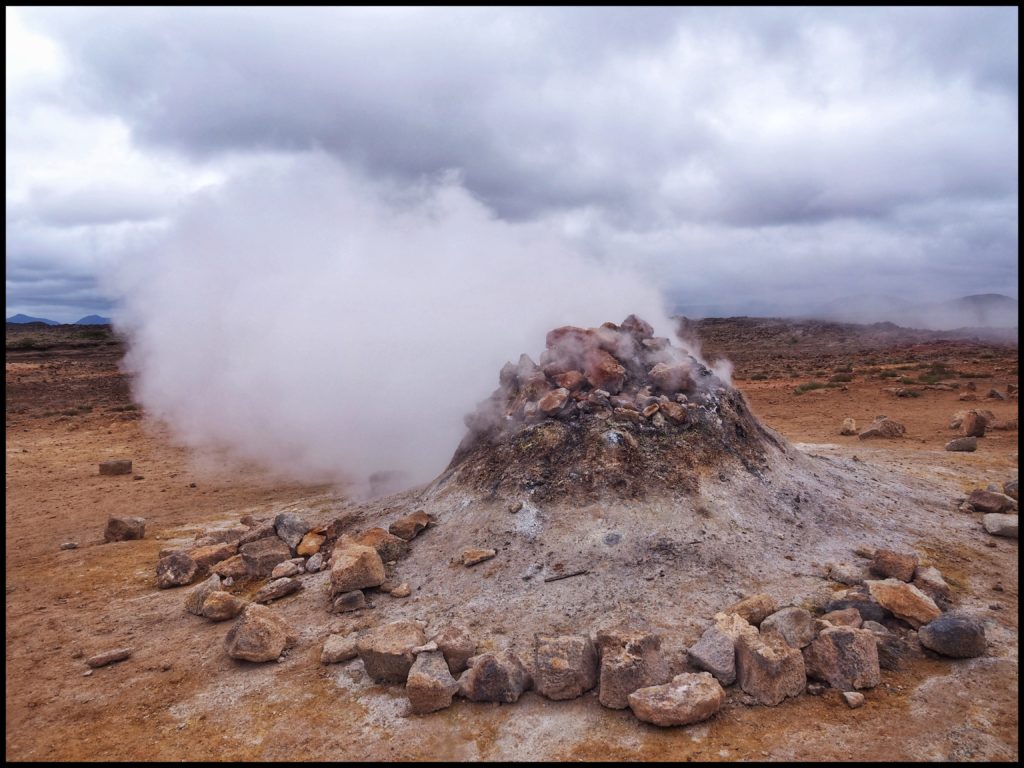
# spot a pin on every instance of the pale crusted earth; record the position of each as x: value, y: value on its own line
x: 673, y: 561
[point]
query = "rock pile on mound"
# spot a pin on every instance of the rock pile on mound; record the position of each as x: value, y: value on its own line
x: 612, y: 408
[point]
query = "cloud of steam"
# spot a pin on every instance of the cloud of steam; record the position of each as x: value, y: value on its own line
x: 331, y: 327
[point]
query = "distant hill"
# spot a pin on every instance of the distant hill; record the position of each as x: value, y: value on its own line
x: 20, y: 318
x: 982, y: 310
x: 93, y: 320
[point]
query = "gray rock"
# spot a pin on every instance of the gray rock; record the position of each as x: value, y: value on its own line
x: 175, y: 570
x: 1010, y: 489
x: 795, y: 625
x: 349, y: 601
x: 565, y: 667
x: 258, y: 635
x: 315, y: 563
x: 261, y: 556
x: 277, y: 589
x: 285, y: 569
x: 892, y: 649
x: 257, y: 532
x: 853, y: 699
x: 963, y: 444
x: 196, y: 598
x: 844, y: 573
x: 290, y: 528
x: 430, y: 685
x: 124, y: 529
x: 990, y: 501
x: 845, y: 658
x: 715, y: 652
x: 689, y: 698
x: 1001, y: 525
x: 866, y: 607
x: 929, y: 580
x: 497, y: 676
x: 957, y: 636
x: 69, y: 545
x: 386, y: 651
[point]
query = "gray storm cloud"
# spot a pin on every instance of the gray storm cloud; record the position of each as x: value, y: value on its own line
x: 332, y: 328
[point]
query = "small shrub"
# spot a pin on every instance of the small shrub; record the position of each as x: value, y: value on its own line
x: 841, y: 377
x: 758, y: 376
x: 808, y: 386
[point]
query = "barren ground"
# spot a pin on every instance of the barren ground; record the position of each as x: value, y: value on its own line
x: 180, y: 697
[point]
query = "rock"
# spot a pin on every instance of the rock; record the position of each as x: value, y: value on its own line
x: 890, y: 564
x: 844, y: 573
x: 990, y: 501
x: 290, y: 528
x: 349, y: 601
x: 973, y: 424
x: 205, y: 557
x: 386, y: 651
x: 853, y: 699
x: 768, y: 669
x: 929, y: 580
x: 338, y: 648
x: 388, y: 546
x: 604, y: 372
x: 672, y: 378
x: 230, y: 535
x: 866, y: 607
x: 795, y: 625
x: 905, y: 601
x: 715, y: 652
x: 310, y: 544
x: 196, y: 598
x: 630, y: 660
x: 570, y: 380
x: 1000, y: 525
x: 497, y: 676
x: 257, y: 532
x: 285, y: 569
x: 995, y: 394
x: 957, y: 636
x: 430, y: 685
x: 175, y: 570
x: 963, y: 444
x: 1009, y: 425
x: 674, y: 412
x: 883, y: 427
x: 409, y: 526
x: 1010, y: 489
x: 221, y: 606
x: 69, y: 545
x: 637, y: 327
x: 232, y: 568
x: 844, y: 617
x: 553, y: 402
x: 849, y: 427
x: 565, y: 666
x: 124, y: 529
x: 355, y: 566
x: 473, y: 556
x: 315, y: 563
x: 116, y: 467
x: 402, y: 590
x: 689, y: 698
x: 262, y: 555
x: 259, y: 634
x: 754, y: 609
x: 845, y: 658
x: 277, y: 589
x: 108, y: 657
x: 456, y: 645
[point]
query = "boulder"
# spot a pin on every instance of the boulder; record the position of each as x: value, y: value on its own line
x: 338, y: 648
x: 715, y: 652
x: 284, y: 570
x: 277, y: 589
x: 963, y: 444
x: 259, y: 634
x: 290, y: 528
x: 844, y: 573
x: 1001, y: 525
x: 471, y: 557
x: 310, y: 544
x: 409, y: 526
x: 627, y: 666
x: 768, y: 669
x: 858, y: 597
x: 638, y: 328
x: 205, y: 557
x: 221, y: 606
x: 116, y: 467
x: 553, y: 402
x: 257, y: 532
x: 386, y: 651
x: 689, y: 698
x: 973, y: 424
x: 124, y: 529
x: 892, y: 649
x: 175, y: 570
x: 957, y: 636
x: 388, y: 546
x: 565, y: 666
x: 355, y: 566
x: 845, y: 658
x: 570, y: 380
x: 929, y: 580
x: 844, y: 617
x: 232, y: 568
x: 315, y: 563
x: 849, y: 427
x: 905, y: 601
x: 604, y: 372
x: 754, y: 609
x: 457, y: 646
x: 888, y: 563
x: 883, y: 427
x: 671, y: 378
x: 195, y: 599
x: 990, y: 501
x: 430, y: 685
x: 262, y: 555
x: 497, y: 676
x: 795, y: 625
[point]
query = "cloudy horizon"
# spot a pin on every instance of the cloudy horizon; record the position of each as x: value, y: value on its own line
x: 732, y: 157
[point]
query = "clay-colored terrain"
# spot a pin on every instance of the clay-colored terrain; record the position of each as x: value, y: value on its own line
x: 179, y: 697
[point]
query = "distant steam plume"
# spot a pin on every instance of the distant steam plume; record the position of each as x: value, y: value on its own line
x: 307, y: 318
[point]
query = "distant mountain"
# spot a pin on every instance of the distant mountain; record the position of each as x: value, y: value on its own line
x: 20, y: 318
x: 983, y: 310
x: 92, y: 320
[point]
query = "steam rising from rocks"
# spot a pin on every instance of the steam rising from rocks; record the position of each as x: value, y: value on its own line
x: 331, y: 328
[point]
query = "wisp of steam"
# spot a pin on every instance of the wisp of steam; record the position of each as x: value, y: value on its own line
x: 333, y: 328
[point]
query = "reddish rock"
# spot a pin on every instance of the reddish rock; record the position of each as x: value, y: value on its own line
x: 409, y: 527
x: 258, y: 635
x: 637, y: 327
x: 430, y: 685
x: 124, y: 529
x: 671, y: 378
x: 388, y: 546
x: 845, y: 658
x: 472, y: 557
x: 604, y: 372
x: 674, y: 412
x: 687, y: 699
x: 754, y: 609
x: 355, y: 566
x: 768, y: 669
x: 497, y: 676
x: 844, y: 617
x: 905, y: 601
x: 535, y: 386
x: 990, y: 501
x: 233, y: 568
x: 221, y: 606
x: 898, y: 565
x: 386, y: 651
x: 310, y: 544
x: 565, y: 667
x: 175, y: 570
x: 109, y: 657
x: 205, y: 557
x: 973, y: 424
x: 553, y: 402
x: 570, y: 380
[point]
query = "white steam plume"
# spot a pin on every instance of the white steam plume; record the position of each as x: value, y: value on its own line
x: 332, y: 328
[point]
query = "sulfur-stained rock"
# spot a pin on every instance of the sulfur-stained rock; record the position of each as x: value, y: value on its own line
x: 259, y: 634
x: 499, y: 676
x: 553, y: 402
x: 565, y: 666
x: 386, y: 651
x: 311, y: 543
x: 845, y: 658
x: 124, y: 528
x: 355, y: 566
x: 905, y: 601
x: 754, y: 609
x: 409, y: 526
x: 455, y: 642
x: 689, y: 698
x: 957, y: 636
x: 430, y: 685
x: 221, y: 606
x: 262, y: 555
x: 888, y: 563
x: 388, y: 546
x: 175, y: 570
x: 795, y: 625
x: 768, y: 669
x: 716, y: 653
x: 195, y: 599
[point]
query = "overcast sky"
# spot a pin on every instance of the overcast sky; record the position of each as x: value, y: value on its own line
x: 737, y: 157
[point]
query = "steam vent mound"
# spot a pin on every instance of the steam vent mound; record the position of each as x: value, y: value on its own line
x: 609, y: 410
